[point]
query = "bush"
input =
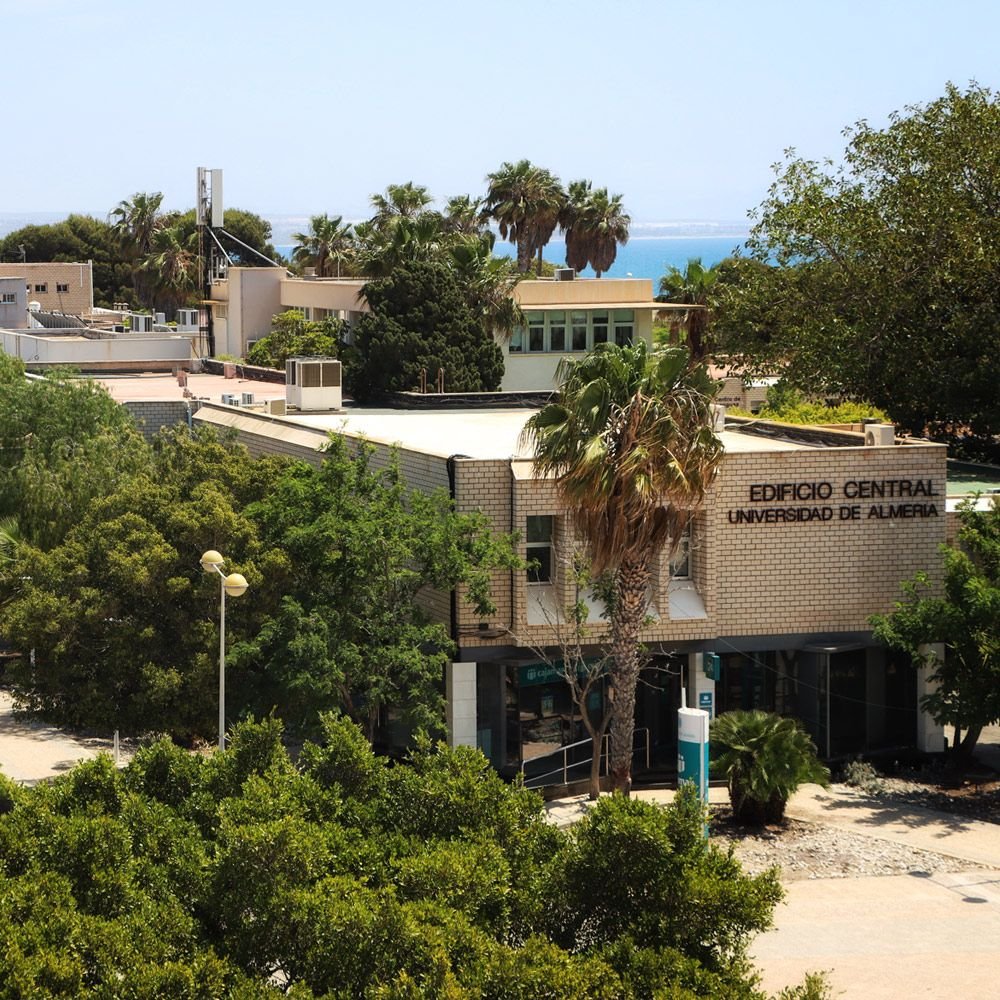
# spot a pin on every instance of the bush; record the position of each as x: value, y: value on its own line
x: 764, y: 758
x: 861, y: 775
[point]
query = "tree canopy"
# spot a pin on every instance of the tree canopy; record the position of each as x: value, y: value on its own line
x: 965, y: 619
x: 246, y: 876
x: 876, y: 278
x: 421, y: 319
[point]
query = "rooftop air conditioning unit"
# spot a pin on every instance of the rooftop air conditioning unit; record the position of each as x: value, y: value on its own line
x: 276, y: 407
x: 314, y: 383
x: 142, y: 323
x: 564, y: 274
x: 246, y: 399
x: 230, y: 399
x: 880, y: 436
x: 187, y: 319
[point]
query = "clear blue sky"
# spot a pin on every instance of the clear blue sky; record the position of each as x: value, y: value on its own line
x: 311, y: 106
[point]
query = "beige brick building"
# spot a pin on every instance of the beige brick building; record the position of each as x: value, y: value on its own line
x: 805, y: 534
x: 56, y: 286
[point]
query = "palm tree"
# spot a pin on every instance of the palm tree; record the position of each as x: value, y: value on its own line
x: 489, y: 283
x: 463, y: 214
x: 631, y: 445
x: 764, y: 759
x: 400, y: 200
x: 172, y: 263
x: 402, y: 240
x: 328, y: 246
x: 525, y: 201
x: 692, y: 286
x: 135, y: 221
x: 595, y: 225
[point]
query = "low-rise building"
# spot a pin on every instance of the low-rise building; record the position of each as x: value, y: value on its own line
x: 804, y: 535
x: 56, y: 286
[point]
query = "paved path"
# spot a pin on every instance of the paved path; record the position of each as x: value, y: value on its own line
x: 32, y: 751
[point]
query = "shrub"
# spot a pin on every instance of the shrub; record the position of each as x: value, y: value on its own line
x: 861, y: 775
x: 764, y: 759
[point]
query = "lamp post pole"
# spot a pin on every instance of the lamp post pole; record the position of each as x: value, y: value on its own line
x: 234, y: 584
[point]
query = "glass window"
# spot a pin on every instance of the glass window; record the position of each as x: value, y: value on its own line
x: 680, y: 563
x: 539, y: 554
x: 624, y: 318
x: 557, y: 331
x: 536, y: 331
x: 61, y: 288
x: 42, y: 288
x: 517, y: 340
x: 600, y: 324
x: 578, y: 321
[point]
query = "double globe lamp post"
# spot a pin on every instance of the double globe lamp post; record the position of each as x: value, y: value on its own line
x: 235, y: 585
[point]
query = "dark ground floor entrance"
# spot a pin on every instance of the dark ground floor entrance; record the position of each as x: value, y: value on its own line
x: 851, y: 700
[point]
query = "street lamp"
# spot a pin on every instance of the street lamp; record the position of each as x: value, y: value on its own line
x: 234, y: 585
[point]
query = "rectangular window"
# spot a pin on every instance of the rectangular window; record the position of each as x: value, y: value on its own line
x: 43, y: 287
x: 557, y: 331
x: 536, y: 331
x: 600, y: 322
x: 9, y: 297
x: 61, y: 287
x: 540, y: 549
x: 624, y: 320
x: 517, y: 340
x: 578, y: 324
x: 680, y: 562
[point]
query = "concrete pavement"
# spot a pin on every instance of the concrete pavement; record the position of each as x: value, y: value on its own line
x: 32, y: 751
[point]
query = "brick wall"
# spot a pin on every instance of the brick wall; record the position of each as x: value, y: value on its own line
x: 151, y: 416
x: 69, y: 288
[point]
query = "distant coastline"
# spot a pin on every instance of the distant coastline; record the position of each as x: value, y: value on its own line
x: 652, y: 249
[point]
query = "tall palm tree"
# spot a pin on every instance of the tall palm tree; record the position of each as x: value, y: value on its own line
x: 406, y: 200
x: 172, y: 266
x: 525, y: 201
x: 693, y: 286
x: 631, y: 445
x: 328, y: 246
x: 464, y: 214
x: 489, y: 283
x: 595, y: 224
x: 135, y: 221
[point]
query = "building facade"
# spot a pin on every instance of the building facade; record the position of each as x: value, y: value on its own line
x: 56, y: 286
x: 804, y: 535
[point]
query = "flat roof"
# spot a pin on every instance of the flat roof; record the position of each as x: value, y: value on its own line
x: 163, y: 387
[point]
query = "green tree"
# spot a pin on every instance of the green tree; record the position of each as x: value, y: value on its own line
x: 489, y: 283
x: 420, y: 320
x: 694, y: 286
x: 329, y: 246
x: 351, y: 632
x: 965, y: 620
x: 292, y: 335
x: 631, y: 445
x: 525, y: 201
x: 764, y: 758
x: 595, y: 224
x: 172, y: 268
x: 135, y: 221
x: 883, y: 278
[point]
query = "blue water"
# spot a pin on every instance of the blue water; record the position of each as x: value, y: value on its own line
x: 641, y: 257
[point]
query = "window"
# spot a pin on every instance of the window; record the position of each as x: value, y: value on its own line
x: 9, y: 297
x: 578, y: 326
x: 680, y: 563
x: 43, y: 287
x: 540, y: 549
x: 517, y: 340
x: 557, y: 331
x: 600, y: 322
x: 61, y: 287
x: 536, y: 331
x: 624, y: 320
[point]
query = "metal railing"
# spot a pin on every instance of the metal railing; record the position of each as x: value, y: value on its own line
x: 564, y: 773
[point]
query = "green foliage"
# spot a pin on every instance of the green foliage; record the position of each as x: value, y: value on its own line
x: 965, y: 619
x: 787, y: 404
x: 63, y: 442
x: 863, y: 776
x: 694, y: 286
x: 876, y: 280
x: 111, y: 889
x: 595, y: 223
x: 292, y: 335
x: 421, y: 320
x: 764, y: 758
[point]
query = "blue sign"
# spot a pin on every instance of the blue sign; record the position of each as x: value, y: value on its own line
x: 705, y: 700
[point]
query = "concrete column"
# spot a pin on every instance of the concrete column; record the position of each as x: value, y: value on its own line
x: 700, y: 687
x: 930, y: 734
x: 460, y: 698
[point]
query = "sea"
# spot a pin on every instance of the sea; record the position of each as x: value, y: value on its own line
x: 653, y: 247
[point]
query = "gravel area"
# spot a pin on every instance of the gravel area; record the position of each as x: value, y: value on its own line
x: 807, y: 851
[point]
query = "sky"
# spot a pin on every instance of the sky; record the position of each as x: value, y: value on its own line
x: 312, y: 106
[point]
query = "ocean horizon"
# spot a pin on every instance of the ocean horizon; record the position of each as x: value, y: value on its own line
x: 653, y: 247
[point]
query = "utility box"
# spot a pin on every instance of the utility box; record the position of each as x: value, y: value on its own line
x: 692, y: 749
x: 313, y: 383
